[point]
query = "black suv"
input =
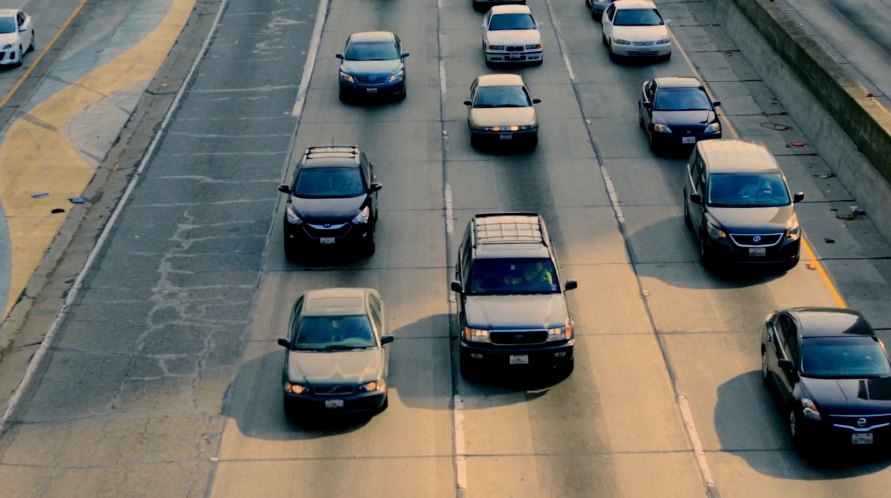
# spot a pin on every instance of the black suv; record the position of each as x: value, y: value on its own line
x: 332, y: 202
x: 512, y: 307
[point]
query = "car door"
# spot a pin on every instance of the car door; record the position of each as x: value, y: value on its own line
x: 788, y: 378
x: 367, y: 171
x: 648, y: 96
x: 695, y: 185
x: 772, y: 346
x: 462, y: 273
x: 470, y: 96
x: 607, y: 22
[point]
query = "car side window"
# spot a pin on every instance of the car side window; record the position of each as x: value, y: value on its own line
x: 790, y: 337
x: 700, y: 178
x: 376, y: 315
x: 650, y: 91
x: 295, y: 313
x: 464, y: 257
x: 610, y: 11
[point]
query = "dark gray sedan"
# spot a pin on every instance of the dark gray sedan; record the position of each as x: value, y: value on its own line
x: 336, y: 360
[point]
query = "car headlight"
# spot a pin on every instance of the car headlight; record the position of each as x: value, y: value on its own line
x: 715, y: 232
x: 295, y: 388
x: 397, y: 76
x: 619, y: 41
x: 476, y: 335
x: 809, y: 409
x: 292, y: 216
x: 7, y: 46
x: 496, y: 47
x: 362, y: 217
x: 793, y: 229
x: 533, y: 46
x: 713, y: 128
x: 376, y: 385
x: 346, y: 77
x: 663, y: 41
x: 563, y: 333
x: 661, y: 128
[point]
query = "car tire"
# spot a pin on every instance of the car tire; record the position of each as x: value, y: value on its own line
x: 603, y: 40
x: 467, y: 368
x: 640, y: 121
x: 652, y: 142
x: 765, y: 374
x: 31, y: 45
x: 533, y: 142
x: 794, y: 428
x: 705, y: 256
x: 290, y: 251
x: 475, y: 141
x: 369, y: 246
x: 21, y: 58
x: 612, y: 55
x: 477, y: 6
x: 588, y: 4
x: 687, y: 219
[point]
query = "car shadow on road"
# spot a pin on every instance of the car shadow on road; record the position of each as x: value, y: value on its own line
x: 750, y: 425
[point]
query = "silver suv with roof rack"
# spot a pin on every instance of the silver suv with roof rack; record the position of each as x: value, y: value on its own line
x: 332, y: 201
x: 512, y: 308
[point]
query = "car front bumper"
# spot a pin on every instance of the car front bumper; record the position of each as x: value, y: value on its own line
x: 9, y: 56
x: 539, y: 356
x: 319, y: 237
x: 504, y: 136
x: 841, y: 434
x: 641, y: 50
x: 724, y: 251
x: 370, y: 90
x: 310, y: 404
x: 514, y: 57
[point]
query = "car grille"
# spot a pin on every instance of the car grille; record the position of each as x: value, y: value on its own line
x: 756, y: 240
x: 372, y: 78
x: 517, y: 48
x: 643, y: 43
x: 333, y: 390
x: 518, y: 337
x: 861, y: 423
x: 317, y: 231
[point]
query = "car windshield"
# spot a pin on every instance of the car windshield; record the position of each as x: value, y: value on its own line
x: 844, y: 358
x: 681, y: 99
x: 328, y: 182
x: 501, y: 96
x: 747, y: 190
x: 513, y: 276
x: 371, y: 51
x: 7, y: 25
x: 333, y: 333
x: 638, y: 17
x: 502, y: 22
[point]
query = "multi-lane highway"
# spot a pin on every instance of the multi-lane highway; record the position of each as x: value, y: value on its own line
x: 164, y: 377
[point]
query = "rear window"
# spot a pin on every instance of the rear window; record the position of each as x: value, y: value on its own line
x: 513, y: 276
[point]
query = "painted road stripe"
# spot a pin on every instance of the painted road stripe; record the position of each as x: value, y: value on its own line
x: 310, y: 64
x: 49, y: 46
x: 40, y: 356
x: 728, y: 123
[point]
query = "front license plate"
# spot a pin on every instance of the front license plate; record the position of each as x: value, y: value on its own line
x: 757, y: 251
x: 514, y: 57
x: 506, y: 136
x: 862, y: 438
x: 688, y: 140
x: 371, y: 90
x: 519, y: 359
x: 326, y: 241
x: 333, y: 403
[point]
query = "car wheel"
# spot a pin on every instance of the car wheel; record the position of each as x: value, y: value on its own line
x: 794, y: 429
x: 765, y: 374
x: 687, y: 220
x: 31, y: 45
x: 640, y: 117
x: 474, y: 141
x: 704, y: 255
x: 369, y: 243
x: 477, y: 6
x: 603, y: 40
x: 21, y: 57
x: 533, y: 142
x: 343, y: 96
x: 652, y: 141
x: 468, y: 371
x: 612, y: 55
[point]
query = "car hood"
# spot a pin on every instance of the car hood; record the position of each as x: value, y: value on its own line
x: 640, y: 33
x: 314, y: 367
x: 684, y: 118
x: 338, y: 210
x: 752, y: 219
x: 8, y: 38
x: 503, y: 116
x: 516, y: 311
x: 371, y: 67
x: 846, y: 395
x: 513, y: 37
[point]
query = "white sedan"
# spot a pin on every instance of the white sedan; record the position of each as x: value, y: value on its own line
x: 16, y: 36
x: 635, y: 28
x: 510, y: 34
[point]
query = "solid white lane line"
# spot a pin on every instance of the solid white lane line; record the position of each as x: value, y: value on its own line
x: 48, y: 339
x: 450, y: 222
x: 460, y: 450
x: 560, y: 41
x: 311, y: 54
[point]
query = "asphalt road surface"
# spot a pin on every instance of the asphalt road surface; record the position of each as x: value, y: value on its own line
x: 165, y: 377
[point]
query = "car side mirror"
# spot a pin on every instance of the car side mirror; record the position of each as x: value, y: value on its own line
x: 375, y: 186
x: 536, y: 101
x: 467, y: 102
x: 696, y: 198
x: 338, y: 55
x: 284, y: 189
x: 386, y: 339
x: 456, y: 286
x: 405, y: 54
x: 786, y: 365
x: 284, y: 343
x: 798, y: 197
x: 716, y: 103
x: 570, y: 284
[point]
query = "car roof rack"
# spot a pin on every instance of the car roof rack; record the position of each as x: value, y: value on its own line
x: 508, y: 228
x: 323, y: 151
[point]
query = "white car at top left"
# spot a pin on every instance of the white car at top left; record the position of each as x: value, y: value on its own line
x: 16, y: 36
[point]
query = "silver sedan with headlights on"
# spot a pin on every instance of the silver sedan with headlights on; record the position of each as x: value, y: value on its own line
x: 510, y: 35
x: 500, y: 111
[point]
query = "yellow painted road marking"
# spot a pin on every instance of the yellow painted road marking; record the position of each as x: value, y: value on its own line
x: 18, y: 84
x: 37, y: 155
x: 805, y: 246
